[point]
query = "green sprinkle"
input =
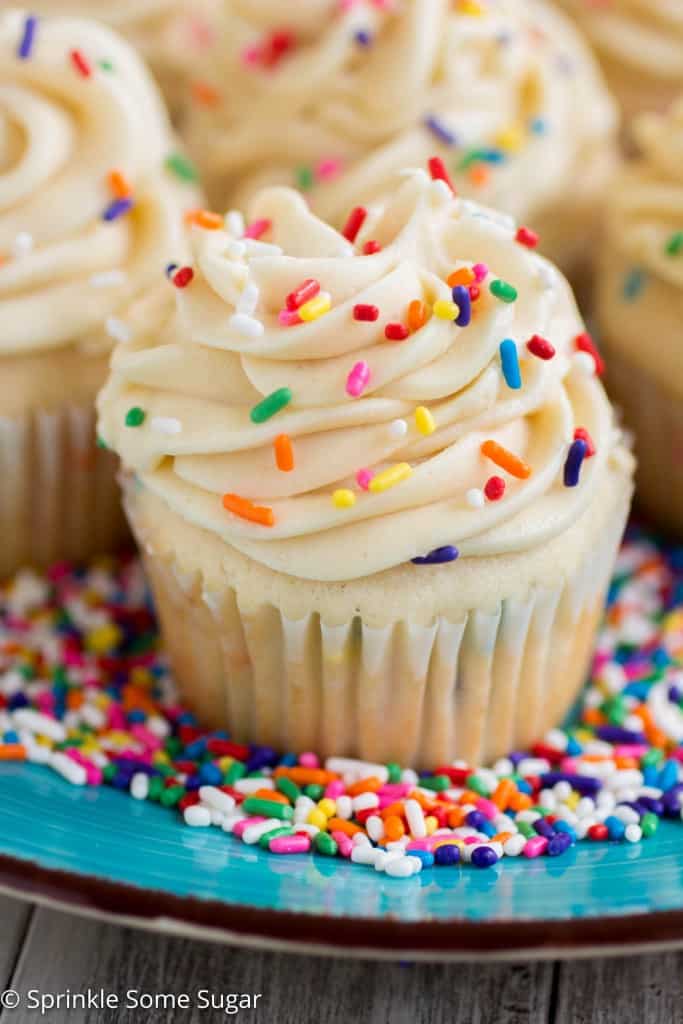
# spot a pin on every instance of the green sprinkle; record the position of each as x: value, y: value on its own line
x: 135, y: 417
x: 394, y: 772
x: 280, y: 830
x: 288, y: 788
x: 172, y: 795
x: 527, y: 830
x: 109, y: 772
x: 648, y: 824
x: 183, y: 168
x: 437, y: 783
x: 235, y: 772
x: 268, y: 808
x: 156, y: 787
x: 503, y: 290
x: 652, y: 757
x: 325, y: 844
x: 271, y: 405
x: 674, y: 246
x: 304, y: 178
x: 476, y: 784
x: 106, y: 65
x: 314, y: 791
x: 101, y: 443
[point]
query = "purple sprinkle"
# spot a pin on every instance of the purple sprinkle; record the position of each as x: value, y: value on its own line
x: 543, y: 828
x: 559, y: 843
x: 439, y: 129
x: 586, y: 785
x: 26, y: 44
x: 117, y: 208
x: 572, y: 467
x: 363, y: 38
x: 615, y: 734
x: 438, y: 556
x: 461, y: 297
x: 484, y: 857
x: 674, y: 694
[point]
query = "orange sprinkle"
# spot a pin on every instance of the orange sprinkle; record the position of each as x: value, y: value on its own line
x: 368, y: 785
x: 204, y: 219
x: 463, y: 275
x: 205, y: 95
x: 393, y: 827
x: 626, y: 762
x: 12, y: 752
x: 425, y: 802
x: 74, y: 699
x: 417, y: 314
x: 341, y: 825
x: 593, y: 716
x: 244, y: 508
x: 391, y: 809
x: 502, y: 793
x: 270, y: 794
x: 468, y: 796
x: 520, y: 802
x: 305, y: 776
x: 511, y: 463
x: 284, y: 453
x: 119, y: 185
x: 479, y: 175
x: 501, y: 837
x: 456, y: 817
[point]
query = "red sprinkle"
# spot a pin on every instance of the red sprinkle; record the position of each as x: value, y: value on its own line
x: 258, y: 228
x: 540, y: 347
x: 276, y: 46
x: 370, y: 248
x: 581, y: 434
x: 437, y: 169
x: 584, y: 343
x: 475, y: 292
x: 81, y: 63
x: 396, y: 332
x: 354, y: 223
x: 495, y: 488
x: 183, y: 277
x: 598, y: 832
x: 304, y: 293
x: 363, y: 311
x: 525, y: 236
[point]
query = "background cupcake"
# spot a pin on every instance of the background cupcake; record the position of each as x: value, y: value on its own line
x: 640, y: 46
x: 334, y: 98
x: 90, y: 213
x: 640, y: 309
x: 377, y: 485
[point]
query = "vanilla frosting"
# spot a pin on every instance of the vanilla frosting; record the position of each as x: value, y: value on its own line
x: 199, y: 375
x: 640, y: 44
x: 77, y: 104
x: 640, y: 289
x: 506, y: 92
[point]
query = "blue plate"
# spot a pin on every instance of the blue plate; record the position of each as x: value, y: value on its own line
x: 99, y: 851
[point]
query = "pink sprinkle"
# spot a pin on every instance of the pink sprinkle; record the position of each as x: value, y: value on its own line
x: 115, y: 717
x: 93, y: 774
x: 358, y: 379
x: 245, y: 823
x: 363, y: 478
x: 298, y: 843
x: 309, y: 760
x: 289, y: 317
x: 343, y: 842
x: 569, y: 765
x: 334, y: 789
x: 419, y: 844
x: 630, y: 750
x: 251, y: 55
x: 471, y: 840
x: 480, y: 271
x: 487, y: 808
x: 395, y: 790
x: 46, y: 702
x: 329, y: 168
x: 535, y: 846
x: 148, y: 739
x: 258, y: 228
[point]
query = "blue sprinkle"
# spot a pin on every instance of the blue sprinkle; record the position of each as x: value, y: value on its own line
x: 10, y: 737
x: 171, y: 269
x: 538, y: 126
x: 118, y: 208
x: 363, y: 37
x: 668, y: 776
x: 484, y: 857
x: 572, y: 467
x: 634, y: 283
x: 210, y: 774
x: 565, y: 828
x: 449, y: 853
x: 558, y: 844
x: 426, y: 856
x: 438, y: 556
x: 439, y: 129
x: 615, y: 827
x: 510, y: 364
x: 26, y: 43
x: 461, y: 297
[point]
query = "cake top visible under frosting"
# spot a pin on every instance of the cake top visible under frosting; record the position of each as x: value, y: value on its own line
x: 418, y: 386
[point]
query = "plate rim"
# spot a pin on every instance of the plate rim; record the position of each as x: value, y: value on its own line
x: 291, y: 931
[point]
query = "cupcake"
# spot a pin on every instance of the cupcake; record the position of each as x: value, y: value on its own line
x: 375, y: 479
x: 89, y: 216
x: 173, y: 36
x: 335, y: 98
x: 640, y: 46
x: 640, y: 309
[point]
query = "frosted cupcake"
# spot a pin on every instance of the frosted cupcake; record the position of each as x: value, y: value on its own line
x: 640, y: 309
x: 375, y: 478
x: 335, y: 98
x: 172, y: 35
x: 640, y: 46
x: 89, y: 216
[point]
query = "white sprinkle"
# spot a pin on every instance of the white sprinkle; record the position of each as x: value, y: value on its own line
x: 41, y: 725
x: 475, y: 498
x: 344, y: 807
x: 415, y: 819
x: 117, y: 330
x: 364, y: 854
x: 166, y: 425
x: 216, y: 799
x: 253, y: 833
x: 108, y: 279
x: 441, y: 191
x: 252, y: 785
x: 397, y: 429
x: 248, y: 300
x: 375, y: 827
x: 197, y: 816
x: 365, y: 801
x: 583, y: 362
x: 68, y: 769
x: 22, y: 245
x: 633, y: 833
x: 245, y: 325
x: 139, y: 786
x: 545, y: 277
x: 236, y: 249
x: 356, y: 769
x: 234, y: 222
x: 513, y: 846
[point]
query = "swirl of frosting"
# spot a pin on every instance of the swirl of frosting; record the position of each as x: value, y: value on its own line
x: 337, y: 97
x: 89, y: 214
x: 640, y: 43
x: 641, y: 287
x: 389, y: 470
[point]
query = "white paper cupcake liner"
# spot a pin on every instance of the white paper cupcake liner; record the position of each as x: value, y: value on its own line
x: 419, y: 695
x: 59, y: 498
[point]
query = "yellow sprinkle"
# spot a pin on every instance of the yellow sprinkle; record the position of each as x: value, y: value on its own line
x: 424, y: 421
x: 316, y: 307
x: 470, y: 7
x: 103, y: 639
x: 448, y: 841
x: 225, y: 762
x: 446, y: 310
x: 431, y: 824
x: 572, y: 800
x: 390, y: 477
x: 510, y: 138
x: 328, y: 807
x: 343, y: 498
x: 141, y: 677
x: 317, y: 818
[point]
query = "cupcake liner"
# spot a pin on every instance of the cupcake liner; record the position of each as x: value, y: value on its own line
x: 495, y: 680
x: 655, y: 416
x: 59, y: 497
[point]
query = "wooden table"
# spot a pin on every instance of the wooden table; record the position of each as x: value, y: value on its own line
x: 54, y: 952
